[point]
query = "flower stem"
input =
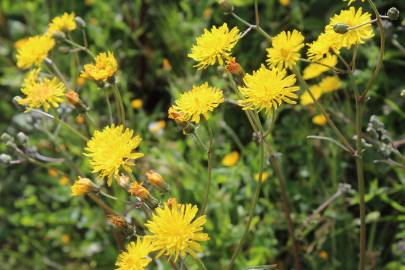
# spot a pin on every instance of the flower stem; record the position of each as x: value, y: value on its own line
x: 252, y: 208
x: 120, y: 105
x: 200, y: 263
x: 107, y: 100
x: 253, y: 26
x: 209, y: 152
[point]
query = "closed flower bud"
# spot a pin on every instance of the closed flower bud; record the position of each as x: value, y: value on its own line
x: 393, y: 14
x: 81, y: 187
x: 233, y: 67
x: 16, y: 102
x: 22, y: 138
x: 341, y: 28
x: 117, y: 221
x: 80, y: 22
x: 72, y: 97
x: 5, y: 137
x: 58, y: 35
x: 156, y: 180
x: 139, y: 191
x: 226, y: 6
x: 4, y: 158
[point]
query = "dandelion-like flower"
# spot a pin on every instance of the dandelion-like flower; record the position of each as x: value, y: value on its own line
x: 319, y: 120
x: 314, y: 69
x: 136, y: 255
x: 306, y: 99
x: 41, y: 92
x: 64, y: 23
x: 230, y: 159
x: 352, y: 18
x: 330, y: 84
x: 111, y: 150
x: 214, y: 46
x: 326, y: 44
x: 81, y: 187
x: 105, y: 67
x: 266, y: 89
x: 175, y: 230
x: 197, y: 102
x: 285, y: 50
x: 33, y: 51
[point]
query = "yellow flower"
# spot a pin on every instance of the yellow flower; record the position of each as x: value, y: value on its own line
x: 80, y: 81
x: 33, y: 51
x: 352, y: 18
x: 230, y: 159
x: 63, y: 23
x: 284, y: 2
x: 80, y: 119
x: 111, y: 149
x: 40, y: 92
x: 323, y: 254
x: 330, y: 84
x: 175, y: 230
x: 20, y: 43
x: 326, y: 44
x: 81, y: 187
x: 351, y: 1
x: 319, y: 120
x: 285, y: 50
x: 104, y: 68
x: 197, y: 102
x: 64, y: 180
x: 136, y: 255
x: 65, y: 239
x: 214, y: 46
x: 265, y: 175
x: 136, y: 103
x: 314, y: 69
x: 266, y: 89
x: 306, y: 98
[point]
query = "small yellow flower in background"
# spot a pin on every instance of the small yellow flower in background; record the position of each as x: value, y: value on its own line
x: 351, y: 1
x: 265, y: 175
x: 64, y: 23
x: 52, y: 172
x: 166, y: 64
x: 136, y: 255
x: 40, y: 92
x: 314, y: 70
x: 105, y: 68
x: 139, y: 191
x: 330, y: 84
x: 319, y: 120
x: 285, y: 50
x: 112, y: 149
x: 81, y: 187
x: 214, y: 46
x: 155, y: 179
x: 20, y: 43
x: 65, y: 239
x: 266, y: 89
x: 157, y: 127
x: 72, y: 97
x: 323, y: 254
x: 80, y: 120
x: 306, y: 98
x: 137, y: 103
x: 80, y: 81
x: 230, y: 159
x: 176, y: 231
x: 64, y: 180
x: 197, y: 102
x: 325, y: 44
x: 116, y: 221
x: 352, y: 18
x: 284, y: 2
x: 33, y: 51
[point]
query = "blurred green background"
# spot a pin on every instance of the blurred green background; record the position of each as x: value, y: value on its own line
x: 42, y: 227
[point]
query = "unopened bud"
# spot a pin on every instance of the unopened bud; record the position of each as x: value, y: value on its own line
x: 5, y: 137
x: 4, y: 158
x: 116, y: 221
x: 189, y: 129
x: 393, y: 14
x: 58, y: 35
x: 139, y: 191
x: 156, y: 180
x: 22, y: 138
x: 341, y: 28
x: 80, y: 22
x: 16, y: 102
x: 72, y: 97
x: 81, y: 187
x: 226, y: 6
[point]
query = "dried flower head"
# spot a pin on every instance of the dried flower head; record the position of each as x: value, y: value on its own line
x: 155, y: 179
x: 139, y: 191
x: 314, y: 69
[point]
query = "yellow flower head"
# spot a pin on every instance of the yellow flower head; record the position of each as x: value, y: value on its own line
x: 136, y: 255
x: 314, y: 70
x: 41, y: 92
x: 266, y: 89
x: 139, y: 191
x: 330, y: 84
x: 326, y: 44
x: 81, y: 187
x: 33, y: 51
x: 111, y: 149
x: 319, y: 120
x: 175, y: 230
x: 195, y: 103
x: 136, y: 103
x: 230, y: 159
x: 156, y: 179
x: 306, y: 98
x: 20, y: 43
x: 104, y: 68
x: 285, y: 50
x: 215, y: 45
x: 64, y: 23
x: 284, y: 2
x: 352, y: 18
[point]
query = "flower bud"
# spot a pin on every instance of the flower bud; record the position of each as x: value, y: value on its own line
x: 72, y: 97
x: 189, y: 129
x: 156, y: 180
x: 80, y: 22
x: 393, y: 14
x: 5, y: 137
x: 22, y: 138
x: 4, y: 158
x: 226, y: 6
x: 58, y: 35
x: 16, y: 102
x: 81, y: 187
x: 139, y: 191
x: 341, y: 28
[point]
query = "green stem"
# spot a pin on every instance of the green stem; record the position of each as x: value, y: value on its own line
x: 256, y: 27
x: 107, y: 100
x: 120, y: 105
x: 252, y: 208
x: 63, y: 123
x: 207, y: 190
x: 74, y: 44
x: 200, y: 263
